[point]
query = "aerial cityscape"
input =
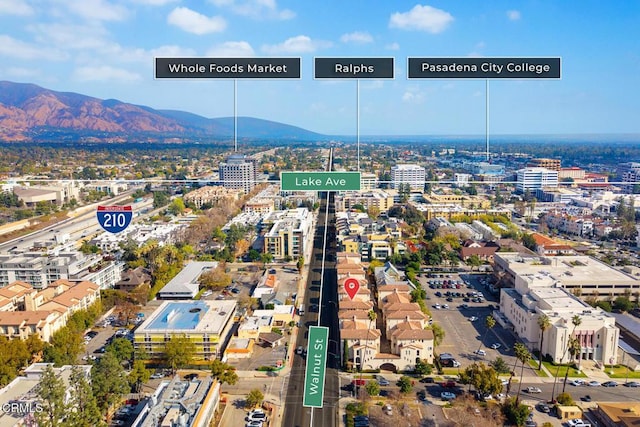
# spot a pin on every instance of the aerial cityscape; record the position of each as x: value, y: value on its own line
x: 264, y: 213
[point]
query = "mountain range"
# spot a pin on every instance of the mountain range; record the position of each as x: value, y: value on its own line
x: 32, y: 113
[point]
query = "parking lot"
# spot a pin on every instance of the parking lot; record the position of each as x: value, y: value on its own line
x: 460, y: 303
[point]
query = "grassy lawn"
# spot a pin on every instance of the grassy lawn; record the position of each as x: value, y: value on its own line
x: 619, y: 371
x: 573, y: 373
x: 534, y: 365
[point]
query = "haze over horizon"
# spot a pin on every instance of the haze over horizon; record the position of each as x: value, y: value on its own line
x: 105, y: 49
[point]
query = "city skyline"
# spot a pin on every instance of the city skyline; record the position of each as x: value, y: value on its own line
x: 106, y: 48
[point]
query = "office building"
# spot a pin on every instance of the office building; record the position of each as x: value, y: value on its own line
x: 413, y: 175
x: 552, y: 164
x: 238, y: 172
x: 530, y: 179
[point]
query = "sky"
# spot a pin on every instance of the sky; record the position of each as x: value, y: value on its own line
x: 106, y: 49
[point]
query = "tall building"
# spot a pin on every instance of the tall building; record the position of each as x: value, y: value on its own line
x: 413, y: 175
x: 629, y: 174
x: 553, y: 164
x: 530, y: 179
x: 239, y: 172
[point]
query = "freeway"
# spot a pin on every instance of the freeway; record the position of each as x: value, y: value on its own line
x: 323, y: 303
x: 78, y: 227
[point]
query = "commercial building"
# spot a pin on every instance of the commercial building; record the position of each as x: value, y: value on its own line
x: 553, y: 164
x: 629, y: 174
x: 597, y: 333
x: 288, y: 232
x: 185, y: 285
x: 413, y: 175
x: 378, y: 199
x: 238, y: 172
x: 530, y: 179
x: 579, y: 275
x: 205, y: 323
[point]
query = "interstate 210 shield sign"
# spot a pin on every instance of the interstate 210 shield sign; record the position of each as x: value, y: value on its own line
x: 114, y: 219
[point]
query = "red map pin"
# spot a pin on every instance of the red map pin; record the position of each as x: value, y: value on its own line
x: 352, y: 286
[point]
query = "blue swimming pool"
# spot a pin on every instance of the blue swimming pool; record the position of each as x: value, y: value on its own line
x: 179, y: 315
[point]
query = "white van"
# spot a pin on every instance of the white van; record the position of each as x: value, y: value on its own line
x: 301, y: 310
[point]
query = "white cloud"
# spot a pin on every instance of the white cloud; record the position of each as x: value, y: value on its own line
x: 105, y: 73
x: 422, y: 18
x: 194, y: 22
x: 70, y: 36
x: 15, y: 48
x: 21, y: 72
x: 513, y: 15
x: 297, y: 44
x: 155, y: 2
x: 256, y: 9
x: 358, y: 37
x: 15, y: 7
x: 97, y: 10
x: 172, y: 51
x: 413, y: 95
x: 392, y: 46
x: 239, y: 49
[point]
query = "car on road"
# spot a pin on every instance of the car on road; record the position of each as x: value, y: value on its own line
x: 447, y: 395
x: 609, y: 384
x: 577, y: 383
x: 157, y: 375
x: 594, y: 383
x: 496, y: 345
x: 480, y: 352
x: 632, y: 384
x: 257, y: 416
x: 504, y: 381
x: 207, y: 293
x: 543, y: 407
x: 254, y: 424
x: 382, y: 380
x: 577, y: 422
x: 299, y: 350
x: 586, y: 398
x: 532, y: 389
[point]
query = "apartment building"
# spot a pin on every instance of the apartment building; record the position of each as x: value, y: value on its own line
x: 411, y: 174
x: 288, y: 231
x: 378, y: 199
x: 211, y: 195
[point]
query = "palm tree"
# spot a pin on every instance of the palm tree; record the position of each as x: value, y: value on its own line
x: 489, y: 322
x: 544, y: 323
x: 576, y: 321
x: 523, y: 355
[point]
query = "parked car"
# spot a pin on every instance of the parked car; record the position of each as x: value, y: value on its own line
x: 480, y: 352
x: 577, y: 383
x: 632, y: 384
x: 594, y: 383
x: 447, y: 395
x: 382, y: 380
x: 610, y: 384
x: 473, y: 318
x: 257, y: 416
x: 543, y: 407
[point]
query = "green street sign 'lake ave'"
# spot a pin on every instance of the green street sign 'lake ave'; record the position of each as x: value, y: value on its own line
x: 316, y: 366
x: 320, y: 181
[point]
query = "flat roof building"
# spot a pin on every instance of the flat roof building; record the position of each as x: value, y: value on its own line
x: 206, y: 323
x: 185, y: 284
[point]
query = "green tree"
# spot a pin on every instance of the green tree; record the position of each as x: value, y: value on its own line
x: 523, y: 355
x: 179, y: 352
x: 405, y: 384
x: 83, y: 407
x: 565, y: 399
x: 108, y: 382
x: 176, y: 207
x: 300, y: 264
x: 122, y: 348
x: 51, y: 395
x: 139, y: 374
x: 372, y: 388
x: 66, y: 346
x: 515, y: 412
x: 223, y: 372
x: 529, y: 242
x: 623, y: 303
x: 483, y: 378
x: 266, y: 258
x: 438, y: 334
x: 422, y: 367
x: 473, y: 261
x: 254, y: 398
x: 500, y: 366
x: 576, y: 321
x: 544, y: 323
